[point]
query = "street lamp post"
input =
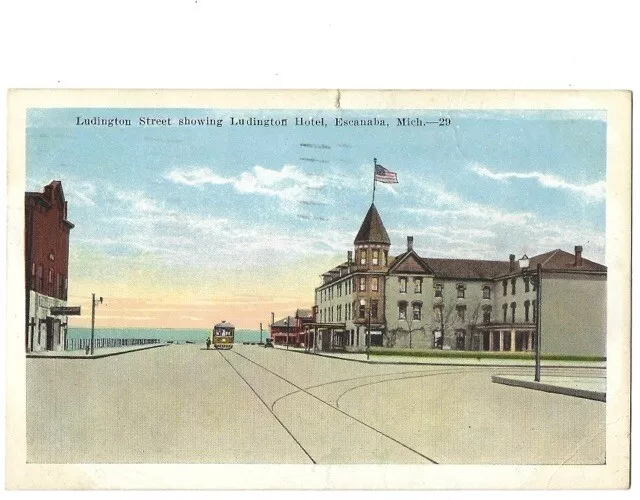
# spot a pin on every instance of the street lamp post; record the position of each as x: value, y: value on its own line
x: 535, y: 277
x: 93, y: 317
x: 368, y: 337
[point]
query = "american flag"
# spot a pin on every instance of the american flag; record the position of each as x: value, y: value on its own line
x: 385, y: 176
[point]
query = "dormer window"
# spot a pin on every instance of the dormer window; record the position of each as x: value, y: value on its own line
x: 437, y: 289
x: 461, y: 288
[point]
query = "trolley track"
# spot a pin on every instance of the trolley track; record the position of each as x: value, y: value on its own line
x: 268, y: 408
x: 391, y: 377
x: 334, y: 408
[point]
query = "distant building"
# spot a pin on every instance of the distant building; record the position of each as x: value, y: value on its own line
x: 46, y: 267
x: 292, y: 328
x: 464, y: 304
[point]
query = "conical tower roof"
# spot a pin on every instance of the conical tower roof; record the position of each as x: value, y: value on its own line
x: 372, y: 229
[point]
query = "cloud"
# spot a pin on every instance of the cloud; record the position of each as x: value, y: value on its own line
x: 592, y: 192
x: 196, y: 176
x: 445, y: 205
x: 289, y: 184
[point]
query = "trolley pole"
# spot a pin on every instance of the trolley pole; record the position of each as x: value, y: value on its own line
x: 93, y: 319
x: 538, y: 321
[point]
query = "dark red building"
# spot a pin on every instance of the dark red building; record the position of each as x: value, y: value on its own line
x: 46, y: 267
x: 292, y: 328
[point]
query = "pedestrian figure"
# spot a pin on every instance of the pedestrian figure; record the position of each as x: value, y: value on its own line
x: 86, y: 350
x: 208, y: 342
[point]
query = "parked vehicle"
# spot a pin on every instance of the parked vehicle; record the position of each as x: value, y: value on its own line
x: 268, y: 342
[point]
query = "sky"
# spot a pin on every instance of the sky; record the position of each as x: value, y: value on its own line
x: 184, y: 226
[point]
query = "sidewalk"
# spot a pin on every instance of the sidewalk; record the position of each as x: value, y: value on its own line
x: 97, y: 353
x: 582, y: 387
x: 448, y: 360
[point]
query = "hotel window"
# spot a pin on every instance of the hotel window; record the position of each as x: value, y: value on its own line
x: 374, y: 257
x: 384, y: 257
x: 417, y: 285
x: 486, y: 292
x: 513, y: 312
x: 534, y: 307
x: 461, y: 310
x: 361, y: 312
x: 403, y: 285
x: 526, y: 283
x: 340, y: 290
x: 363, y: 257
x: 504, y: 312
x: 363, y: 284
x: 339, y: 313
x: 527, y: 305
x: 460, y: 287
x: 513, y: 286
x: 347, y: 308
x: 402, y: 310
x: 417, y: 311
x: 58, y: 292
x: 374, y: 308
x: 33, y: 275
x: 438, y: 289
x: 374, y: 284
x: 66, y: 284
x: 486, y: 315
x: 505, y: 284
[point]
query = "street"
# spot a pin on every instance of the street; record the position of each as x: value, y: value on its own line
x: 186, y: 404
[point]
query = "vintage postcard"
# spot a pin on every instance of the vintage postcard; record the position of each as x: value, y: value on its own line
x: 318, y: 289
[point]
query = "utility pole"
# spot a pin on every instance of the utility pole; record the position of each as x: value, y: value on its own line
x: 538, y: 320
x: 271, y: 329
x: 93, y: 319
x: 261, y: 333
x: 369, y: 332
x: 288, y: 326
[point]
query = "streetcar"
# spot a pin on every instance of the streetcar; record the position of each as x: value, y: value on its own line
x: 222, y: 335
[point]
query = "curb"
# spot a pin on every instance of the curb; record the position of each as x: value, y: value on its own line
x: 539, y: 386
x: 95, y: 356
x: 410, y: 363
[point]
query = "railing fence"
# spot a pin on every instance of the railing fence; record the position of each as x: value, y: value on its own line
x: 78, y: 344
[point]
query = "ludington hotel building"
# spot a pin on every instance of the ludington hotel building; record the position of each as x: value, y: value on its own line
x: 407, y: 300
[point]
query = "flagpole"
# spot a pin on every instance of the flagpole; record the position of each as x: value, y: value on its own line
x: 375, y: 162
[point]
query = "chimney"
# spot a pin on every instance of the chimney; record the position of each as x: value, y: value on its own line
x: 512, y: 263
x: 578, y: 261
x: 409, y: 243
x: 349, y: 257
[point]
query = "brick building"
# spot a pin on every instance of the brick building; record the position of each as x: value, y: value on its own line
x: 292, y: 328
x: 46, y: 257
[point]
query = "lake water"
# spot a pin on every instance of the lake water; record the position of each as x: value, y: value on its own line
x: 162, y: 334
